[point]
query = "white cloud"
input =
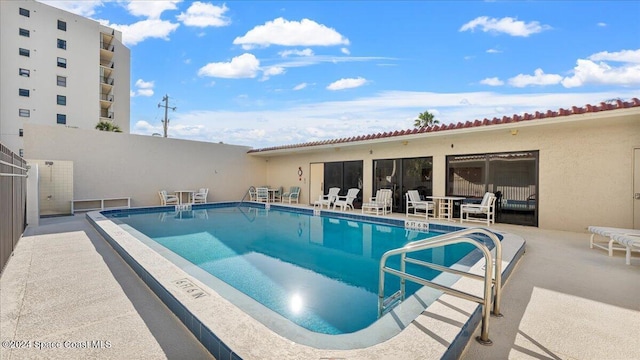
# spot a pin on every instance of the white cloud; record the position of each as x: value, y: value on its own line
x: 589, y: 72
x: 348, y: 83
x: 142, y: 30
x: 290, y: 33
x: 345, y: 51
x: 538, y: 78
x: 143, y: 88
x: 287, y: 53
x: 201, y: 14
x: 629, y: 56
x: 601, y: 24
x: 84, y: 8
x: 300, y: 86
x: 151, y: 9
x: 272, y: 71
x: 385, y: 111
x: 506, y: 25
x: 493, y: 81
x: 493, y: 51
x: 243, y: 66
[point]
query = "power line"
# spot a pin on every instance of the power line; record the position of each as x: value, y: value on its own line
x: 165, y: 122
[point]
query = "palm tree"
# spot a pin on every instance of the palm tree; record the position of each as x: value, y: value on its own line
x: 107, y: 126
x: 425, y: 119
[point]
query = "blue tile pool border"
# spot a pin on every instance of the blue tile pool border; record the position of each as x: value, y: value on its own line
x: 217, y: 347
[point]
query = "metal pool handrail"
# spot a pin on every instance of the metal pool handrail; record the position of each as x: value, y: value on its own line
x: 439, y: 241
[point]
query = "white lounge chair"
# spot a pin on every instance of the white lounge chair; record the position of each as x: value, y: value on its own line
x: 486, y: 209
x: 630, y: 243
x: 292, y: 195
x: 201, y: 196
x: 346, y: 202
x: 417, y: 207
x: 379, y: 203
x: 262, y: 194
x: 608, y: 233
x: 327, y: 199
x: 167, y: 199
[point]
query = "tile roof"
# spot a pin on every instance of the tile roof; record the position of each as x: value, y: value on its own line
x: 604, y: 106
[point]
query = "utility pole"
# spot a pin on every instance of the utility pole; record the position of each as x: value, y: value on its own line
x: 165, y: 122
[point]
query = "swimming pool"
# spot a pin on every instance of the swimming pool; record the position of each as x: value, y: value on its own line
x: 231, y: 324
x: 320, y: 272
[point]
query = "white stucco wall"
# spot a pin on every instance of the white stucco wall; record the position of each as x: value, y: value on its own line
x: 585, y: 164
x: 110, y: 164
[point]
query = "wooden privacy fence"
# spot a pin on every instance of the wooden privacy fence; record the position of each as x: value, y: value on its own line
x: 13, y: 201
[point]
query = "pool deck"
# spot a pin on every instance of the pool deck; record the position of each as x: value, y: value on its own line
x: 65, y: 287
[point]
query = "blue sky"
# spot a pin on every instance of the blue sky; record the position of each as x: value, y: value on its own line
x: 270, y: 73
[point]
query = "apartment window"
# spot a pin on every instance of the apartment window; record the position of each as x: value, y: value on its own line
x: 62, y: 62
x: 23, y: 92
x: 62, y: 25
x: 24, y: 52
x: 62, y: 119
x: 21, y: 132
x: 24, y: 72
x: 62, y: 100
x: 24, y: 32
x: 21, y: 152
x: 24, y: 12
x: 24, y: 112
x: 62, y: 44
x: 62, y: 81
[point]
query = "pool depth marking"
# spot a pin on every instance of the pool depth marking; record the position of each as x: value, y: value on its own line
x: 190, y: 288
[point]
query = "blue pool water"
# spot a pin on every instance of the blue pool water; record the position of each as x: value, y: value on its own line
x: 319, y: 272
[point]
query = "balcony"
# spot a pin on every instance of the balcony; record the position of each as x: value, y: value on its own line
x: 106, y: 84
x: 106, y: 100
x: 106, y: 46
x: 106, y: 63
x: 105, y: 114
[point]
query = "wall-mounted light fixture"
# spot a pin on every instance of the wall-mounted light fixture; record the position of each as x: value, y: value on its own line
x: 514, y: 131
x: 405, y: 142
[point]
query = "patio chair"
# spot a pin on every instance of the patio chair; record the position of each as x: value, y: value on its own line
x: 327, y: 199
x: 416, y: 206
x: 262, y: 194
x: 630, y: 243
x: 252, y: 193
x: 379, y: 203
x: 293, y: 194
x: 277, y: 194
x: 485, y: 209
x: 201, y: 196
x: 608, y: 232
x: 346, y: 202
x: 167, y: 199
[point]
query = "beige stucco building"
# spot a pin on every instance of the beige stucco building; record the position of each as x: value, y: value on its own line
x: 564, y: 170
x: 59, y: 68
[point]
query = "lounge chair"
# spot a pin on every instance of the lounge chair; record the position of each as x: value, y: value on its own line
x: 252, y: 193
x: 630, y: 243
x: 292, y: 195
x: 379, y: 203
x: 167, y: 199
x: 417, y: 207
x: 201, y: 196
x: 262, y: 194
x: 346, y: 202
x: 327, y: 199
x: 608, y: 233
x: 485, y: 209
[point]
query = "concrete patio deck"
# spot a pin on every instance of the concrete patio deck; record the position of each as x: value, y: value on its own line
x: 67, y: 290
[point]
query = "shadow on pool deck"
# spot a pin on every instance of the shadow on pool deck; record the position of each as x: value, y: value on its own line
x: 64, y: 282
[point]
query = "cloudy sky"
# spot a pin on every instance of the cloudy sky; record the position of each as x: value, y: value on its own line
x: 270, y: 73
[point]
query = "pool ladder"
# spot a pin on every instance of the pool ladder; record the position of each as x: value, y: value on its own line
x: 491, y: 279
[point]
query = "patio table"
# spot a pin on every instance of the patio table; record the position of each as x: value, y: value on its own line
x: 445, y: 205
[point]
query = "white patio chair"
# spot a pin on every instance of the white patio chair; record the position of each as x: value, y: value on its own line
x: 252, y: 193
x: 417, y: 207
x: 277, y: 195
x: 486, y: 209
x: 608, y: 233
x: 327, y: 199
x: 292, y: 195
x: 201, y: 196
x: 346, y: 202
x: 262, y: 194
x: 167, y: 199
x: 379, y: 203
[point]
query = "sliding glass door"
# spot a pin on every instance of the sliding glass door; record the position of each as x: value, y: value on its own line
x: 345, y: 175
x: 513, y: 177
x: 401, y: 175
